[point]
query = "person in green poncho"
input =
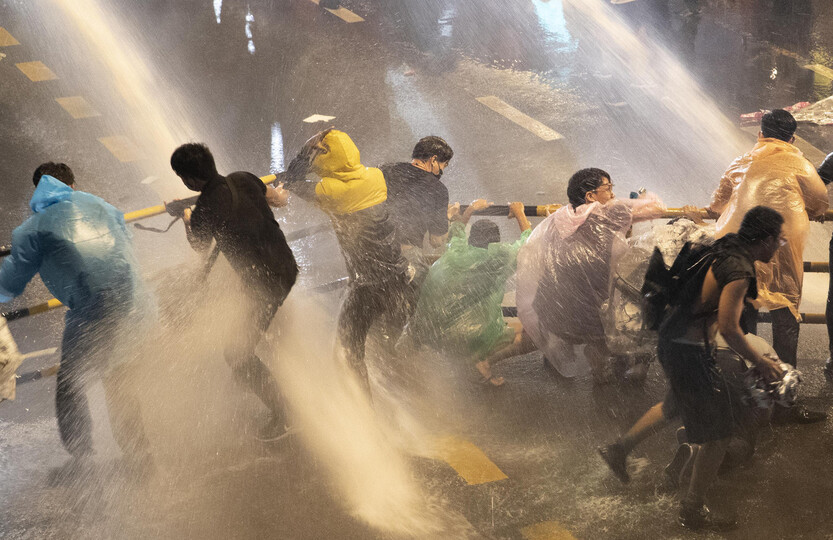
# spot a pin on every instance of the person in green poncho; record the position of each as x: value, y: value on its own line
x: 459, y: 310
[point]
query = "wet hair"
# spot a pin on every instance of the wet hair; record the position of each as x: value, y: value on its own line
x: 432, y: 146
x: 582, y: 183
x: 484, y: 232
x: 60, y: 171
x: 760, y: 223
x: 778, y: 124
x: 194, y: 160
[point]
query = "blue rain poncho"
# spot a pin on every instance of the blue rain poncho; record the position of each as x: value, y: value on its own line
x: 78, y: 242
x: 459, y: 309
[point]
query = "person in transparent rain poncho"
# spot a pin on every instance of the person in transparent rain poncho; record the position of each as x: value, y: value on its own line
x: 564, y: 271
x: 459, y: 311
x: 83, y: 251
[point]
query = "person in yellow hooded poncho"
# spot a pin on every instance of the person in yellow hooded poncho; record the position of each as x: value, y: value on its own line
x: 776, y: 174
x: 354, y: 197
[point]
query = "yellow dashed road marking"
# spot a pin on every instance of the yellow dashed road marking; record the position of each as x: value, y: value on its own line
x: 77, y: 107
x: 468, y: 460
x: 513, y: 114
x: 36, y: 71
x: 821, y: 70
x: 6, y: 39
x: 548, y: 530
x: 121, y: 147
x: 343, y: 13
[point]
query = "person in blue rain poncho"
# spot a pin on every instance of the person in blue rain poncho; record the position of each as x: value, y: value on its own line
x: 84, y: 253
x: 459, y: 310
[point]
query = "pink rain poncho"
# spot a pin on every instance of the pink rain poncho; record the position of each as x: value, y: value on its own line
x: 775, y: 174
x: 564, y: 273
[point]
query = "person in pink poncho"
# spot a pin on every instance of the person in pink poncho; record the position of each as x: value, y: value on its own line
x: 564, y: 271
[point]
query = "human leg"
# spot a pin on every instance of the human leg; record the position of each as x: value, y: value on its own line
x: 71, y: 408
x: 248, y: 369
x: 125, y: 414
x: 785, y: 329
x: 357, y: 314
x: 615, y: 454
x: 597, y: 355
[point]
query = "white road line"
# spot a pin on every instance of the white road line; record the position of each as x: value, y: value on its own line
x: 42, y: 352
x: 318, y: 118
x: 821, y: 70
x: 343, y: 13
x: 526, y: 122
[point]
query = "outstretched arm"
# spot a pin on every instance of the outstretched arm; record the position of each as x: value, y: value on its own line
x: 21, y: 265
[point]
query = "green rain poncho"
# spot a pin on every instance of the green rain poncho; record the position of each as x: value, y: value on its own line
x: 459, y: 309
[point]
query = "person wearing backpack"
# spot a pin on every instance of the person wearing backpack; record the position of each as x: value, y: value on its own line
x: 234, y: 211
x: 710, y: 296
x: 777, y: 174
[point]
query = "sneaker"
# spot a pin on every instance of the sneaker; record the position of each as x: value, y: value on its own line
x: 675, y: 468
x: 696, y: 518
x: 828, y: 369
x: 802, y: 415
x: 616, y: 458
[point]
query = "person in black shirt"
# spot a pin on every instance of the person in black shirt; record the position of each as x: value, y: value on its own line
x: 418, y: 201
x: 826, y: 173
x: 712, y: 301
x: 234, y: 211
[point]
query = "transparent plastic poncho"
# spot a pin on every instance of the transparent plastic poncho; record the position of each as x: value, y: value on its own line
x: 459, y: 309
x: 564, y: 274
x: 774, y: 174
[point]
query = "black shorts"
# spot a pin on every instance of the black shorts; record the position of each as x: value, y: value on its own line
x: 699, y: 392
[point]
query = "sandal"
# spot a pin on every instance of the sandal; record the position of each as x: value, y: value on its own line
x: 492, y: 381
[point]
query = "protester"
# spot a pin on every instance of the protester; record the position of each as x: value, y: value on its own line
x: 418, y: 201
x: 777, y: 174
x: 710, y: 297
x: 459, y: 311
x: 234, y: 211
x: 84, y: 253
x: 354, y: 197
x: 826, y: 173
x: 564, y: 271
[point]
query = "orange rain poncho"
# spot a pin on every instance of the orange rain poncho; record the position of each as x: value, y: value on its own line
x: 775, y: 174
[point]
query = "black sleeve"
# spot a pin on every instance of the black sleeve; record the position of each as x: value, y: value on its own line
x: 438, y: 219
x: 200, y: 236
x: 295, y: 179
x: 826, y: 169
x: 732, y: 268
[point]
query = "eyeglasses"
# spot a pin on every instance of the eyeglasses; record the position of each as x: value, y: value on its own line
x: 604, y: 187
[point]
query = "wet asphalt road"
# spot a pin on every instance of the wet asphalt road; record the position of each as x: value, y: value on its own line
x: 410, y: 69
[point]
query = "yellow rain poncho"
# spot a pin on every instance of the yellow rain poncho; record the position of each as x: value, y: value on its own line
x: 346, y: 185
x: 775, y: 174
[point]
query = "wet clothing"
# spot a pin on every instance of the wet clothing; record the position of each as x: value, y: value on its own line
x: 417, y: 201
x: 89, y: 335
x: 354, y: 196
x: 233, y: 211
x: 826, y: 173
x: 698, y: 388
x: 459, y: 309
x: 571, y: 292
x: 775, y: 174
x: 84, y: 253
x: 78, y: 242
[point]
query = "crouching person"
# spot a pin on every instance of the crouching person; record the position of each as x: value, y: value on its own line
x: 459, y: 310
x: 84, y: 253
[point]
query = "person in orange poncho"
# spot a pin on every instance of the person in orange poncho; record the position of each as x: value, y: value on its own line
x: 776, y: 174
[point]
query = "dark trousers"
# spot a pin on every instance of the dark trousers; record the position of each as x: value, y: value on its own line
x: 785, y: 330
x: 366, y: 303
x: 249, y: 370
x: 90, y: 334
x: 828, y: 312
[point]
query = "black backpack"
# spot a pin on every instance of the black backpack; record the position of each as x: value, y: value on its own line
x: 666, y: 287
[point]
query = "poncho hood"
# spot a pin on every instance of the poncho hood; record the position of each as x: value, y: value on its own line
x: 346, y: 185
x: 50, y: 191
